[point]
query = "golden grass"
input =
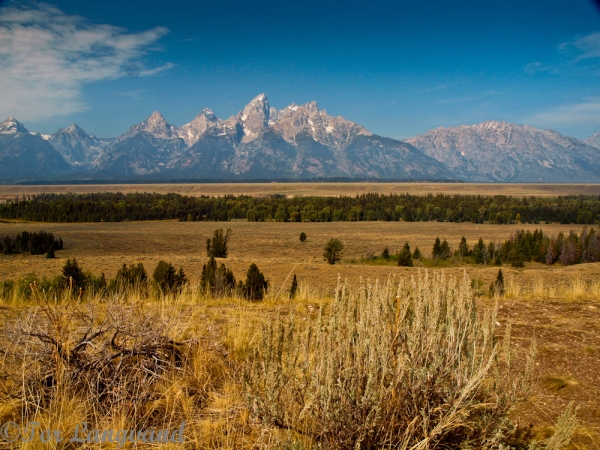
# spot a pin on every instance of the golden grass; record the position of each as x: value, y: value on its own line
x: 316, y: 189
x: 559, y: 305
x: 207, y: 391
x: 274, y: 247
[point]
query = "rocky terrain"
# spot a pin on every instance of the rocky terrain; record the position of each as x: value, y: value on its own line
x: 504, y: 152
x: 594, y: 141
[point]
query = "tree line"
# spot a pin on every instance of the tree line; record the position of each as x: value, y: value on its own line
x: 32, y: 243
x: 119, y: 207
x: 521, y: 247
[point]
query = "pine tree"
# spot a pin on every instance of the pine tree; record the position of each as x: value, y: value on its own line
x: 436, y: 251
x: 255, y: 286
x: 497, y: 286
x: 479, y: 252
x: 463, y: 248
x: 219, y: 281
x: 333, y: 251
x: 167, y: 278
x: 385, y: 254
x: 444, y: 250
x: 217, y: 246
x: 50, y: 253
x: 405, y: 257
x: 133, y: 276
x: 294, y: 287
x: 417, y: 253
x: 73, y: 274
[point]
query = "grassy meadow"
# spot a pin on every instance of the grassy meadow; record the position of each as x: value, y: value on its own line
x: 232, y: 389
x: 311, y: 189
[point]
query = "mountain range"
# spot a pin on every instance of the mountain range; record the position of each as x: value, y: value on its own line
x: 297, y: 142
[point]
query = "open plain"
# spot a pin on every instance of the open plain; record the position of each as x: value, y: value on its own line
x: 308, y: 189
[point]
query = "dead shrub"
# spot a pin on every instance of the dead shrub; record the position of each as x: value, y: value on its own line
x: 117, y: 358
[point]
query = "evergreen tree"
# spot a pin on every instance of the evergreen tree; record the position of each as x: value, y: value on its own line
x: 217, y: 246
x: 73, y: 275
x: 255, y: 286
x: 132, y: 276
x: 385, y: 254
x: 479, y: 252
x: 405, y: 256
x: 167, y: 278
x: 294, y: 287
x: 444, y: 250
x: 333, y: 251
x: 417, y: 253
x: 497, y: 286
x: 219, y: 281
x: 302, y: 236
x: 50, y: 253
x: 436, y: 251
x: 463, y: 248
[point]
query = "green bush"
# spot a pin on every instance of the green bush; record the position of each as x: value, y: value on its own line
x: 302, y: 236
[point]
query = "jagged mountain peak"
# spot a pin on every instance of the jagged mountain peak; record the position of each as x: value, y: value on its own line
x: 254, y: 118
x: 12, y: 126
x: 156, y: 125
x: 325, y: 129
x: 204, y: 122
x: 156, y: 121
x: 77, y: 147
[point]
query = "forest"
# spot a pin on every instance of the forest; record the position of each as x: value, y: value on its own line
x: 119, y: 207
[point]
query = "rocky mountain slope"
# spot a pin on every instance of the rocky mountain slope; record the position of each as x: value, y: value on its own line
x: 25, y: 154
x: 78, y: 148
x: 504, y: 152
x: 298, y: 142
x: 261, y: 142
x: 594, y: 141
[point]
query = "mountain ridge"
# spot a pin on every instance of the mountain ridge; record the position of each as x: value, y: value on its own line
x: 304, y: 142
x: 495, y: 151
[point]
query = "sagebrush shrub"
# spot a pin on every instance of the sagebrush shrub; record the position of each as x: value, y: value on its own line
x: 398, y: 365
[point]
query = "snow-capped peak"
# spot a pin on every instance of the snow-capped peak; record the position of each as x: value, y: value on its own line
x: 12, y: 126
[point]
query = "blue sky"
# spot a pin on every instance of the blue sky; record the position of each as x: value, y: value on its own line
x: 399, y: 68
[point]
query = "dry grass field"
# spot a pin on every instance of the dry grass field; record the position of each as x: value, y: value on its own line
x: 558, y: 306
x: 308, y: 189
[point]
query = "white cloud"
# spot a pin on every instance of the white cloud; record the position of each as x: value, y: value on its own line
x: 47, y: 56
x: 586, y: 113
x: 586, y: 47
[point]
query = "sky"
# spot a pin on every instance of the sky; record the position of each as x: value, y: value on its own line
x: 399, y: 68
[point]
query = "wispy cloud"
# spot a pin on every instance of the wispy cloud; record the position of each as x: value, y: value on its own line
x: 47, y: 56
x: 577, y: 50
x: 585, y: 113
x: 585, y: 47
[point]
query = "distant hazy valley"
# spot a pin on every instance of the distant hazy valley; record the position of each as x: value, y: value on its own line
x: 298, y: 142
